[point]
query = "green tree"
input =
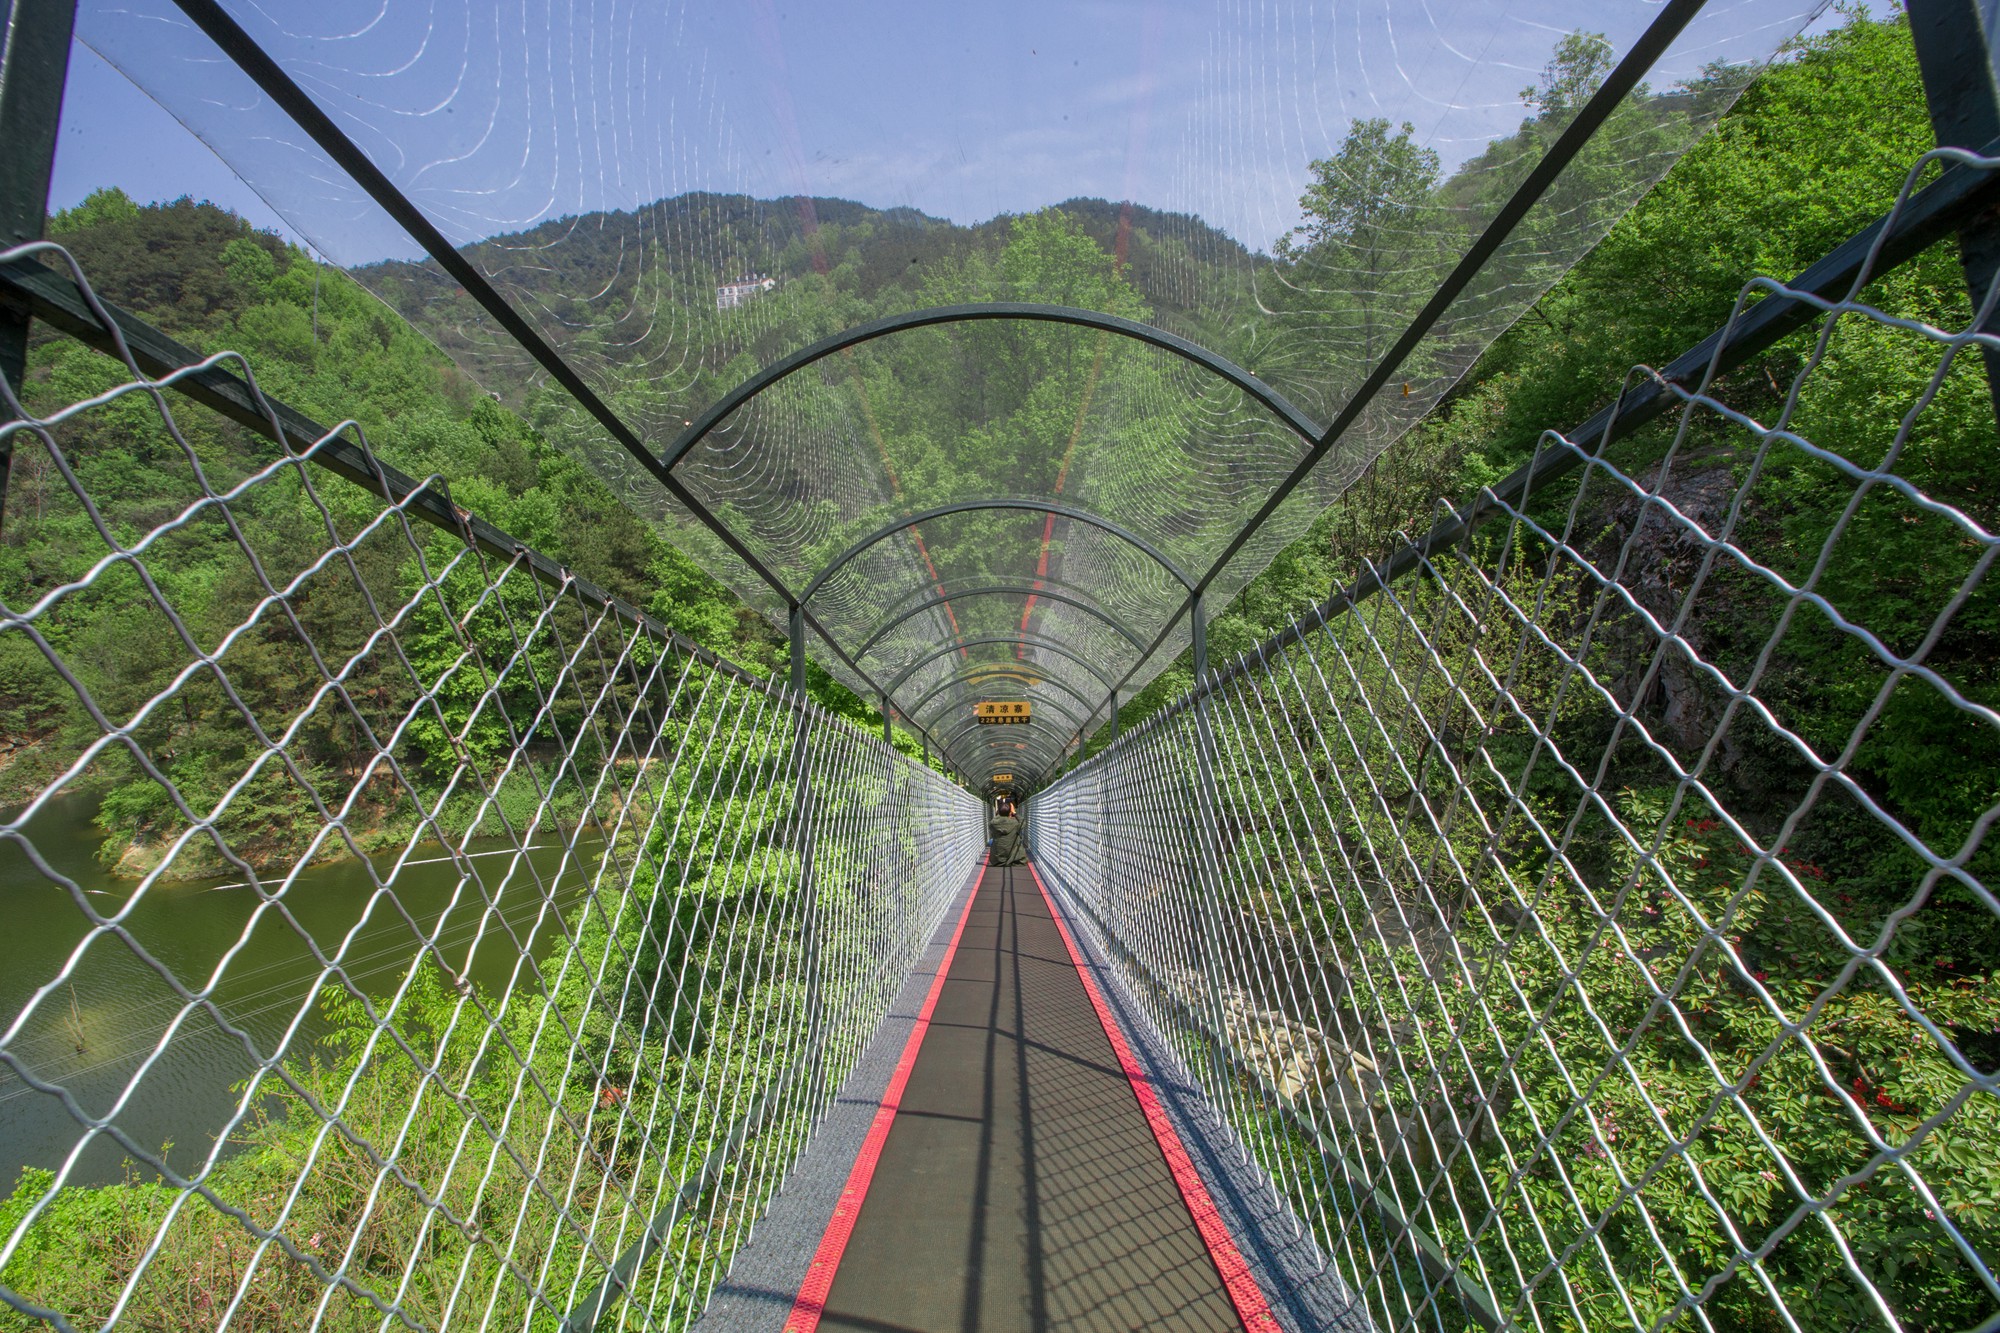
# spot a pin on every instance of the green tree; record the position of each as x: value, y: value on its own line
x: 1371, y: 247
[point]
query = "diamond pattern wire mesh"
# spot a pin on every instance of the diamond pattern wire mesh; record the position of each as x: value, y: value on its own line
x: 1597, y: 928
x: 617, y: 915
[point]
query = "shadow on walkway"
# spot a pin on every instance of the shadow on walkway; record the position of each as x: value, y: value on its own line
x: 1020, y: 1186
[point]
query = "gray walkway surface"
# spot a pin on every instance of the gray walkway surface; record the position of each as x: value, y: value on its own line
x: 1021, y: 1187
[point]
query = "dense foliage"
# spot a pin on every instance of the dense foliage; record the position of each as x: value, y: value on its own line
x: 454, y: 1149
x: 497, y: 710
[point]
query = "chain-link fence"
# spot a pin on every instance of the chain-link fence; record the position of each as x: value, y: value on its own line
x: 416, y: 936
x: 1593, y: 926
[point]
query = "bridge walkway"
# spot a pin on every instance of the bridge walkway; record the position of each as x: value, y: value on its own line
x: 1018, y: 1182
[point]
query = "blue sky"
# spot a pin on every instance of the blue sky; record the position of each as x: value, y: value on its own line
x: 113, y: 134
x: 495, y: 117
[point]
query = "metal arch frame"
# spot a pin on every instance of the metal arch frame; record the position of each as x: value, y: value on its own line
x: 969, y: 727
x: 994, y: 589
x: 1037, y: 745
x: 1062, y: 709
x: 987, y: 640
x: 1030, y: 768
x: 1044, y: 742
x: 963, y: 678
x: 1025, y: 765
x: 1021, y: 585
x: 1257, y: 390
x: 888, y: 530
x: 252, y: 60
x: 967, y: 675
x: 1032, y: 736
x: 1043, y: 745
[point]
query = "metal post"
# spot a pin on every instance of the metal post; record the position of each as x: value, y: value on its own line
x: 1208, y: 851
x: 887, y: 739
x: 1114, y: 713
x: 34, y: 63
x: 798, y: 635
x: 1955, y: 58
x: 802, y: 825
x: 1100, y: 807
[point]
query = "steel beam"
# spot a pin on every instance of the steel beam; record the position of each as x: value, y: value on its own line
x: 1207, y: 847
x: 1955, y: 60
x: 797, y: 637
x: 34, y: 66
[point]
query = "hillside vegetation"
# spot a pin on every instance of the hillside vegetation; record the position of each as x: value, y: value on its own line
x: 318, y: 341
x: 1597, y: 913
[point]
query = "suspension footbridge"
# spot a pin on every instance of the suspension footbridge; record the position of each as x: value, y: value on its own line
x: 440, y: 906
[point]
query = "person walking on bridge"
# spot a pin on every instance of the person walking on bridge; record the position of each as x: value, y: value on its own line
x: 1005, y: 831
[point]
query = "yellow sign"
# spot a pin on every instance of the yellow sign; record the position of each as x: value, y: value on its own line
x: 1003, y: 777
x: 1002, y: 713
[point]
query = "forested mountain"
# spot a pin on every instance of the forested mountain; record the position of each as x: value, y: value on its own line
x: 638, y: 301
x: 695, y: 241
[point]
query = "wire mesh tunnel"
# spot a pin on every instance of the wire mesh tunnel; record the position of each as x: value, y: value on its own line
x: 1582, y: 919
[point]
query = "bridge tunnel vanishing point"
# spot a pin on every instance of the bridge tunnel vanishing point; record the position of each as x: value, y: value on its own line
x: 1581, y: 918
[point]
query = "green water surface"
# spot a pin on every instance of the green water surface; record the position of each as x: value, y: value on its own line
x: 90, y: 1011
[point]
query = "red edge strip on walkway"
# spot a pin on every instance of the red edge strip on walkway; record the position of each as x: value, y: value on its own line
x: 811, y: 1302
x: 1228, y: 1260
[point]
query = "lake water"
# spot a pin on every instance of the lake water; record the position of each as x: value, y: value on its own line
x: 115, y: 1013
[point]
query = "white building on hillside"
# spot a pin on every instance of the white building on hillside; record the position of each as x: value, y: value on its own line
x: 732, y: 294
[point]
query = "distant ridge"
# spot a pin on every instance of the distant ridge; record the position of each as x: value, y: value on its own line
x: 696, y: 240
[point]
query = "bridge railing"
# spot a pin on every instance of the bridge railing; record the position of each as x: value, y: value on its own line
x: 486, y: 951
x: 1587, y: 920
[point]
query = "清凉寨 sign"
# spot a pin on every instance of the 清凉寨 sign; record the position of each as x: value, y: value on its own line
x: 1003, y: 777
x: 1000, y: 713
